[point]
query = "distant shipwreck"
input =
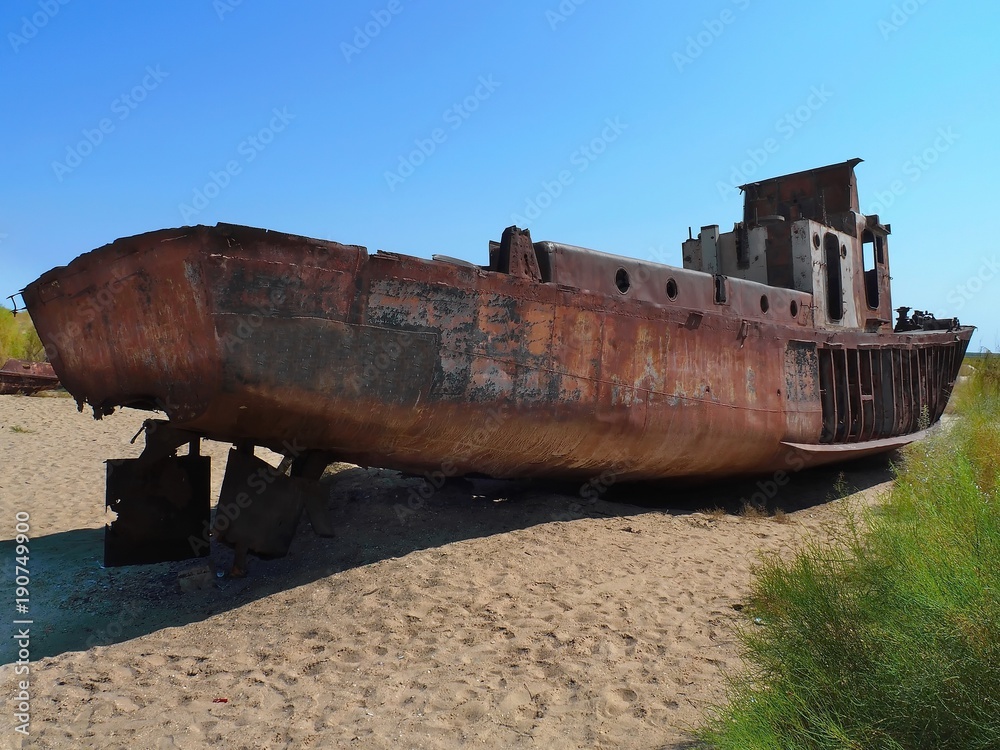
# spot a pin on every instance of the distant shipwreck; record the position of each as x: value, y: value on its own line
x: 21, y: 377
x: 772, y: 349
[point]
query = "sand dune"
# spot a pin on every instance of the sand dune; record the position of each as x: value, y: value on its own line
x: 481, y: 619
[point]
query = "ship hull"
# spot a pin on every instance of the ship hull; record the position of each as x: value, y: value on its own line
x: 298, y: 344
x: 18, y: 377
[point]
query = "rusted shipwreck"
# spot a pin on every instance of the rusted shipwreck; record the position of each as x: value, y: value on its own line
x: 773, y: 348
x: 20, y: 377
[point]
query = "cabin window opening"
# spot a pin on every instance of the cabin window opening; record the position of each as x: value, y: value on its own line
x: 671, y: 289
x: 764, y: 304
x: 720, y: 289
x: 622, y: 280
x: 834, y: 282
x: 869, y: 254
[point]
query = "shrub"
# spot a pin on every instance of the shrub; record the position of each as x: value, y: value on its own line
x: 888, y: 637
x: 18, y: 338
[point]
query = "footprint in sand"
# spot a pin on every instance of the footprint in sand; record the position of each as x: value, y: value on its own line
x: 613, y: 702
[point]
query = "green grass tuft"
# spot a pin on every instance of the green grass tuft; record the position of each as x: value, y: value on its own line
x: 888, y: 637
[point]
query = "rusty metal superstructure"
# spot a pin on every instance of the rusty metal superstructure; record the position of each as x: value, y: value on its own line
x: 773, y: 346
x: 18, y: 376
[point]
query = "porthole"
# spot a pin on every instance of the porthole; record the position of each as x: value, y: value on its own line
x: 764, y: 303
x: 622, y: 280
x: 816, y: 240
x: 671, y: 289
x: 843, y: 251
x: 793, y: 308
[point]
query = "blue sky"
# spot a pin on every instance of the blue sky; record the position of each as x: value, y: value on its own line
x: 423, y: 127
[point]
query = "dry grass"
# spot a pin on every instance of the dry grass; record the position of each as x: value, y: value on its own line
x: 780, y: 516
x: 751, y: 512
x: 55, y: 393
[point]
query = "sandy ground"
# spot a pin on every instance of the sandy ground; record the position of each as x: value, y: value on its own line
x: 482, y: 619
